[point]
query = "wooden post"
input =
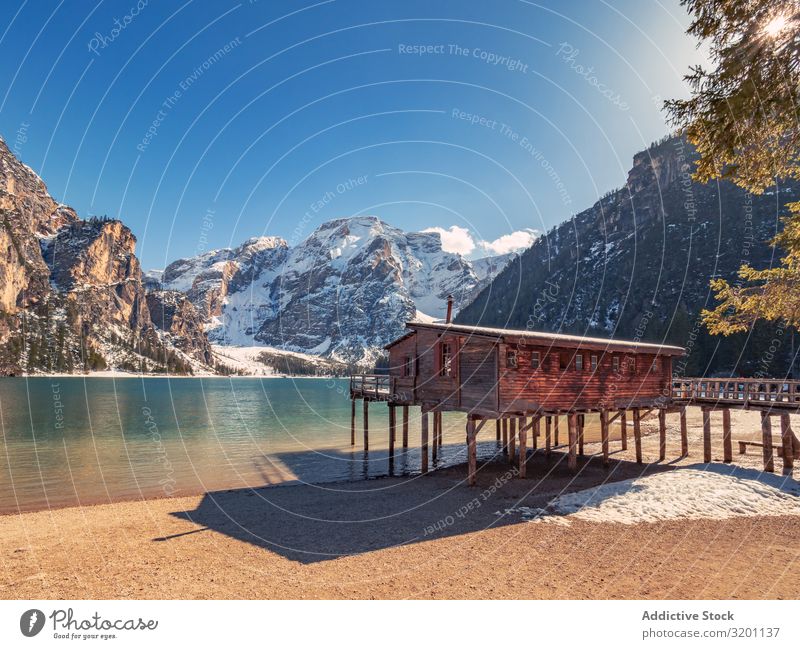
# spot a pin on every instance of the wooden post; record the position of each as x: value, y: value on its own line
x: 472, y: 452
x: 405, y: 426
x: 441, y: 426
x: 726, y: 436
x: 786, y: 438
x: 512, y: 439
x: 623, y: 427
x: 435, y: 445
x: 537, y: 430
x: 523, y: 446
x: 766, y: 440
x: 555, y: 430
x: 497, y: 429
x: 580, y: 435
x: 684, y: 434
x: 637, y: 435
x: 352, y: 422
x: 505, y: 436
x: 662, y: 434
x: 572, y: 433
x: 392, y: 435
x: 424, y: 441
x: 604, y: 435
x: 366, y: 425
x: 547, y: 440
x: 706, y: 435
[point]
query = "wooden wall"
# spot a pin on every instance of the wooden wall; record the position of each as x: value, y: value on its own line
x: 484, y: 381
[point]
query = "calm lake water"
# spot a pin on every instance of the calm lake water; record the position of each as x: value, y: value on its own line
x: 69, y: 441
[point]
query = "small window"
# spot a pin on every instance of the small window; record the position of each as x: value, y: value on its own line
x: 511, y: 359
x: 656, y: 364
x: 632, y: 364
x: 594, y: 362
x: 579, y: 361
x: 445, y: 359
x: 408, y: 366
x: 615, y: 363
x: 535, y: 360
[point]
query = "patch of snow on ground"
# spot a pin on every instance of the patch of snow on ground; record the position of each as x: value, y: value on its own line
x: 703, y: 491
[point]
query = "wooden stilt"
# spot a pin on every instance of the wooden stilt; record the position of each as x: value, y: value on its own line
x: 706, y: 435
x: 623, y: 427
x: 766, y: 440
x: 581, y: 422
x: 555, y: 429
x: 392, y: 434
x: 547, y: 438
x: 441, y: 432
x: 604, y: 435
x: 786, y: 438
x: 637, y: 434
x: 572, y: 433
x: 512, y: 439
x: 505, y: 436
x: 537, y: 430
x: 684, y: 434
x: 472, y: 452
x: 435, y: 445
x: 727, y: 446
x: 523, y: 446
x: 352, y: 422
x: 497, y: 429
x: 424, y: 441
x: 366, y: 425
x: 662, y: 434
x: 405, y: 426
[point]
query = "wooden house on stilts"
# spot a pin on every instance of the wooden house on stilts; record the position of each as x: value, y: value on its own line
x: 518, y: 378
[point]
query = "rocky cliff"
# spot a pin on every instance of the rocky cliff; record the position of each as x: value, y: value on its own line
x: 71, y: 291
x: 637, y: 264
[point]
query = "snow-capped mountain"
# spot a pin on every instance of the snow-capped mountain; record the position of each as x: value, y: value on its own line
x: 344, y: 292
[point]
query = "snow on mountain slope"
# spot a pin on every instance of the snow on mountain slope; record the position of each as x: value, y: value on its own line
x: 344, y: 292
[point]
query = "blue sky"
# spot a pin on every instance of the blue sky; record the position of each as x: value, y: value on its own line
x: 203, y: 123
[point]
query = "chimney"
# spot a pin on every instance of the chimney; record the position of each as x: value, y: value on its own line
x: 449, y: 309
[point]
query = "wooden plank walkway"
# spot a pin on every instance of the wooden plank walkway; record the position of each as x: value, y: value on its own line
x: 749, y: 394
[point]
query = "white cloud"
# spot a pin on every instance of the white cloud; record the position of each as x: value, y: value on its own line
x: 456, y: 239
x: 460, y: 240
x: 518, y: 240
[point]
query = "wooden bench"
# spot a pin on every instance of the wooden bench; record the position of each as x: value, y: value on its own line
x: 743, y: 447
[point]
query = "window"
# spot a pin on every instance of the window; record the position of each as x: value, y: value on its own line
x: 631, y: 360
x: 578, y: 361
x: 615, y: 363
x: 445, y: 359
x: 656, y: 364
x: 535, y: 360
x: 408, y: 366
x: 594, y: 362
x: 511, y: 359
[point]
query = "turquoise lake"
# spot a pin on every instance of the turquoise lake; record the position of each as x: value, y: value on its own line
x: 87, y: 440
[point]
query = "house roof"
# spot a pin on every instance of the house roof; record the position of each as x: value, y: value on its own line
x: 547, y: 339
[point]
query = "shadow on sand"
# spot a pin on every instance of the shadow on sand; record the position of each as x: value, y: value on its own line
x: 309, y: 523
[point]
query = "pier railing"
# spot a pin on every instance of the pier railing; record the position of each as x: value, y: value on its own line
x: 744, y: 392
x: 376, y: 387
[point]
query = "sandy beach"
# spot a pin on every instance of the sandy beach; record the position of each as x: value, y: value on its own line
x: 434, y: 537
